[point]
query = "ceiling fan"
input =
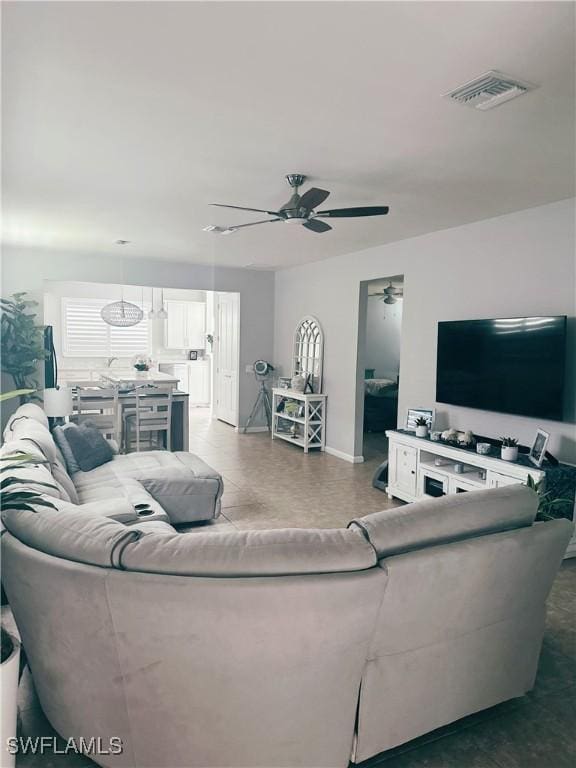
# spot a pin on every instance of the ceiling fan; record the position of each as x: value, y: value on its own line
x: 390, y: 294
x: 300, y: 209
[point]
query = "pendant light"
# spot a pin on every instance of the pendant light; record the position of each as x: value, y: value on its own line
x: 162, y: 314
x: 152, y: 313
x: 121, y: 314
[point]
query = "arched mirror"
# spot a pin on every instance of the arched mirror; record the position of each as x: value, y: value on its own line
x: 308, y: 351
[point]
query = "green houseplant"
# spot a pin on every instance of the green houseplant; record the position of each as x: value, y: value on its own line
x: 546, y: 503
x: 22, y: 343
x: 509, y: 448
x: 421, y: 427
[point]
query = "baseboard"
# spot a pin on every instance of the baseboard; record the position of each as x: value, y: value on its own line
x: 345, y: 456
x: 251, y: 429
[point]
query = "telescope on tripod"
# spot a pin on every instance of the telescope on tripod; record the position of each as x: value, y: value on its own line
x: 262, y: 371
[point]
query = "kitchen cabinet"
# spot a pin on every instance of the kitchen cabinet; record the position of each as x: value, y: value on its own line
x: 194, y: 379
x: 186, y: 325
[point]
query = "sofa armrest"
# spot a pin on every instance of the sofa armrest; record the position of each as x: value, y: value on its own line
x: 115, y: 509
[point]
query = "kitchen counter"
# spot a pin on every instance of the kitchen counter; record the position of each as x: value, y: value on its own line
x: 130, y: 377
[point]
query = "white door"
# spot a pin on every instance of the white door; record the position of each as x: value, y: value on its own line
x: 227, y: 357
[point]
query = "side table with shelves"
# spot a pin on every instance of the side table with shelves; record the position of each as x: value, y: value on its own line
x: 304, y: 424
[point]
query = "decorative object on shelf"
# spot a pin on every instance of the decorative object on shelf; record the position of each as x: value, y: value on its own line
x: 284, y: 382
x: 210, y: 339
x: 459, y: 468
x: 193, y: 354
x: 22, y: 344
x: 435, y: 436
x: 295, y: 431
x: 450, y: 435
x: 483, y: 449
x: 308, y: 352
x: 414, y: 414
x: 421, y: 427
x: 466, y: 438
x: 141, y: 363
x: 538, y: 449
x: 298, y: 383
x: 509, y: 448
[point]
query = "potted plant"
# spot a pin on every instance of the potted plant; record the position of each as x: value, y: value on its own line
x: 421, y: 427
x: 509, y: 448
x: 547, y: 502
x: 142, y: 363
x: 22, y: 343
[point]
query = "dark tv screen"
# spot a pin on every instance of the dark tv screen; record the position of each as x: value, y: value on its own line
x: 511, y: 365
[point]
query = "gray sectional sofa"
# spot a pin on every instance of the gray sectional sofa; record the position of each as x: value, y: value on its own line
x: 157, y: 486
x: 292, y: 648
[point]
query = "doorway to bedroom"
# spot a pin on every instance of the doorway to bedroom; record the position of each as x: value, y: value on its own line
x: 381, y: 303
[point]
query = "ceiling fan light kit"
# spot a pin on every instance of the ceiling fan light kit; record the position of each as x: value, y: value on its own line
x: 300, y: 209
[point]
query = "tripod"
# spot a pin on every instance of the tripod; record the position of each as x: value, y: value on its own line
x: 262, y: 401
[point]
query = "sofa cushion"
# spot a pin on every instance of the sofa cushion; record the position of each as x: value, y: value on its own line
x: 36, y: 433
x: 36, y: 478
x: 59, y: 435
x: 451, y: 518
x: 26, y: 411
x: 250, y: 553
x: 64, y: 480
x: 89, y: 446
x: 89, y: 538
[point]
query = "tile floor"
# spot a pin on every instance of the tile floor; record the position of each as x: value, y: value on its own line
x: 273, y: 485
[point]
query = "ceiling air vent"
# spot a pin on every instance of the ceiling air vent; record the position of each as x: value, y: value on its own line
x: 489, y: 90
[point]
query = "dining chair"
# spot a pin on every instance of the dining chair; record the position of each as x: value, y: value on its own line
x: 99, y: 406
x: 150, y: 417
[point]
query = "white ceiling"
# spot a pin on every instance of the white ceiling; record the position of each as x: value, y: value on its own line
x: 124, y: 120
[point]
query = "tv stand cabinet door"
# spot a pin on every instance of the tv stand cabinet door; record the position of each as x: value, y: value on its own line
x: 403, y: 462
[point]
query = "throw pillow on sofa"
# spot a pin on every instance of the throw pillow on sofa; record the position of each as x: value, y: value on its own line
x: 89, y: 447
x: 59, y: 435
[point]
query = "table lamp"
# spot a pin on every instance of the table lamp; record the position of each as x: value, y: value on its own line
x: 58, y: 403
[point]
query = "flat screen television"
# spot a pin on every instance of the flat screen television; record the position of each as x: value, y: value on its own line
x: 511, y: 365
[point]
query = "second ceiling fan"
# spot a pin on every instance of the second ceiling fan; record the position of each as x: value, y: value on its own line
x: 301, y: 209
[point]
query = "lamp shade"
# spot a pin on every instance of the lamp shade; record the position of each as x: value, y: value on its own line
x: 58, y: 402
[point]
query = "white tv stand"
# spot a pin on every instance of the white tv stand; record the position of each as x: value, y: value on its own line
x: 422, y: 468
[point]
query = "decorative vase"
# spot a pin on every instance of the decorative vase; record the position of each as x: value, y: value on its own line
x: 422, y: 431
x: 509, y: 452
x: 9, y: 670
x: 298, y: 383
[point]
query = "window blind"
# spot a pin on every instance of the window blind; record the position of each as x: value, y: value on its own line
x: 85, y: 334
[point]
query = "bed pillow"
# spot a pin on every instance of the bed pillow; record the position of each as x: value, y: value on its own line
x: 89, y: 447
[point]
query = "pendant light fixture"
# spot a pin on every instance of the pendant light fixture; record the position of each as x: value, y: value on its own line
x: 162, y: 314
x: 122, y: 314
x: 151, y: 313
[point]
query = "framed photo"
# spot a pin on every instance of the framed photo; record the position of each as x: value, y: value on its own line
x: 193, y: 354
x: 416, y: 413
x: 538, y: 450
x: 284, y: 382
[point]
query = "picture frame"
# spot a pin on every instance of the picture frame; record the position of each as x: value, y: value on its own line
x: 416, y: 413
x: 284, y: 382
x: 193, y: 354
x: 538, y: 449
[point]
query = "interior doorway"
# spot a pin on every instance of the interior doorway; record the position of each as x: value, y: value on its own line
x: 227, y: 357
x: 379, y: 351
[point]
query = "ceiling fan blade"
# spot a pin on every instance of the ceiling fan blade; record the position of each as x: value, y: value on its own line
x: 240, y: 208
x: 234, y: 227
x: 313, y: 197
x: 366, y: 210
x: 317, y: 226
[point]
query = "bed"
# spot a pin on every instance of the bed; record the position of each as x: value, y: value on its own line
x: 380, y: 404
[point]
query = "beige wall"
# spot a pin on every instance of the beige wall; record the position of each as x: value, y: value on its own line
x: 519, y: 264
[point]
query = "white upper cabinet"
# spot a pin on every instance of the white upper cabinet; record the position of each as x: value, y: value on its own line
x: 186, y: 325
